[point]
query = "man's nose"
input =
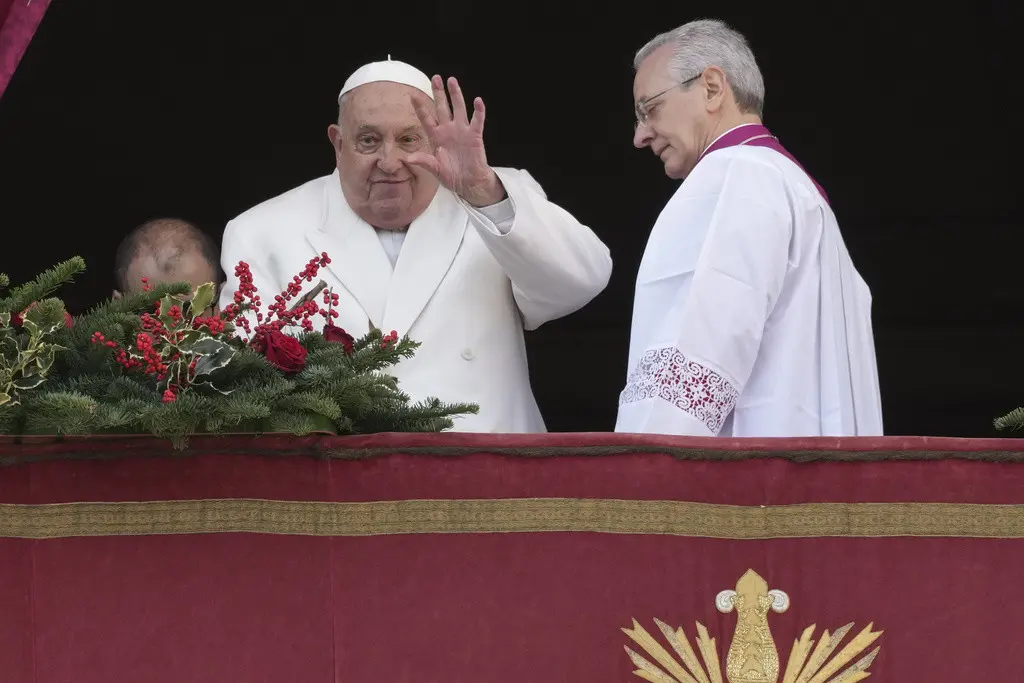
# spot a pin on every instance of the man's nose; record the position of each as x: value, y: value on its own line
x: 390, y: 159
x: 642, y: 136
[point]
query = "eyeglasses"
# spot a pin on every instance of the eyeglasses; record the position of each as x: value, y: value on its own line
x: 643, y: 107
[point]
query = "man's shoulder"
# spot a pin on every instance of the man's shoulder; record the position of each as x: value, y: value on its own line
x: 744, y: 160
x: 765, y: 168
x: 303, y: 202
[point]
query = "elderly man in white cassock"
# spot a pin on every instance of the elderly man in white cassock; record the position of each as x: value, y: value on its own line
x: 749, y: 318
x: 426, y: 238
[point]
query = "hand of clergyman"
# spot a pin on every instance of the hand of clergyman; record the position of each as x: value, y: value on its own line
x: 457, y: 156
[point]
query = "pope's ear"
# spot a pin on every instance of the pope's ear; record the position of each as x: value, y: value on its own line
x: 334, y: 134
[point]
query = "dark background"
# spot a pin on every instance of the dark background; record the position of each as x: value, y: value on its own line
x: 124, y: 111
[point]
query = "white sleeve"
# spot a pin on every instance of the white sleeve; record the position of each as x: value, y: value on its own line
x: 689, y: 378
x: 501, y: 215
x: 556, y: 264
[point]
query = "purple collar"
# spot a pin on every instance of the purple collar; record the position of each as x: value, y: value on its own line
x: 756, y: 135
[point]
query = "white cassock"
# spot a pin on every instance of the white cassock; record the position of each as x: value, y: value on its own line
x: 463, y: 282
x: 749, y: 318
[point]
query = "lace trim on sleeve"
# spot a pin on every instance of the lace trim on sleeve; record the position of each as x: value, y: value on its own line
x: 696, y: 390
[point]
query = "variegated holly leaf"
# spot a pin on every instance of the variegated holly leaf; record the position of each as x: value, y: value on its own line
x: 214, y: 354
x: 166, y: 304
x: 26, y: 382
x: 202, y: 298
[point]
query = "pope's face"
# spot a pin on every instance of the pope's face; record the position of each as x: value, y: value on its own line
x: 677, y: 120
x: 379, y: 130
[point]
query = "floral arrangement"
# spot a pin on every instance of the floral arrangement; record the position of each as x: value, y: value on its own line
x: 160, y: 362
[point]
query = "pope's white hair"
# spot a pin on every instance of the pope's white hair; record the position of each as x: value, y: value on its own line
x: 342, y: 101
x: 710, y: 42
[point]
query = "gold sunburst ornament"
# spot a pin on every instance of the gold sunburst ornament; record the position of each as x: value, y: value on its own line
x: 752, y: 656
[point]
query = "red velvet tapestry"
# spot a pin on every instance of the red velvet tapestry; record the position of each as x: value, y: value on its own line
x: 510, y: 559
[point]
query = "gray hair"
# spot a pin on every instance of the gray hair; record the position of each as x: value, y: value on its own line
x: 710, y: 42
x: 342, y: 101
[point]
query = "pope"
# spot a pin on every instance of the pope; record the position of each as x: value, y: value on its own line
x: 427, y: 238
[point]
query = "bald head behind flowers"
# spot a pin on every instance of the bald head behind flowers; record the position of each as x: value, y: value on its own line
x: 166, y: 250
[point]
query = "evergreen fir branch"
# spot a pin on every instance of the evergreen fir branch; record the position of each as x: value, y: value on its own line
x: 127, y: 388
x: 140, y: 302
x: 1013, y: 420
x: 430, y: 415
x: 250, y: 367
x: 5, y: 281
x: 42, y: 286
x: 300, y: 424
x: 46, y: 315
x: 369, y: 356
x: 125, y: 415
x: 60, y: 412
x: 309, y: 402
x: 11, y: 418
x: 179, y: 420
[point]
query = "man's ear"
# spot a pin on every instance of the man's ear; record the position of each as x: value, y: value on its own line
x: 116, y: 295
x: 715, y: 87
x: 334, y: 135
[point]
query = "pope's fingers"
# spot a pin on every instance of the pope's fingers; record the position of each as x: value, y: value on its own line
x: 479, y: 114
x: 425, y: 161
x: 444, y: 112
x: 458, y: 100
x: 424, y: 113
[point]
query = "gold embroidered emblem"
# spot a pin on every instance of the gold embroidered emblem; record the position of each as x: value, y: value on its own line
x: 752, y: 655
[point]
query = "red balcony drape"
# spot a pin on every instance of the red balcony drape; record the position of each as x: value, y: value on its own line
x: 19, y: 20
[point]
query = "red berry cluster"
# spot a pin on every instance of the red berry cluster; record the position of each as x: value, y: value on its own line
x: 147, y: 345
x: 151, y: 363
x: 330, y: 300
x: 389, y: 339
x: 213, y: 322
x: 279, y: 314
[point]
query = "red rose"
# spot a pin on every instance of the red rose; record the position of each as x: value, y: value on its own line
x: 284, y: 352
x: 69, y: 321
x: 339, y: 336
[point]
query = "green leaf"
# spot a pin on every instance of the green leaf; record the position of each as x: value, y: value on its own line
x: 188, y: 340
x: 5, y: 398
x: 166, y: 304
x: 214, y: 361
x: 29, y: 382
x: 202, y: 298
x: 44, y: 360
x: 30, y: 327
x: 5, y: 318
x: 209, y: 346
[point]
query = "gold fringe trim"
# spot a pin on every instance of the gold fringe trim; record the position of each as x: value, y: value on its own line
x: 703, y: 520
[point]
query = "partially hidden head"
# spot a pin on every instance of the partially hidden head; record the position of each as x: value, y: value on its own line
x: 692, y: 84
x: 377, y: 129
x: 166, y: 250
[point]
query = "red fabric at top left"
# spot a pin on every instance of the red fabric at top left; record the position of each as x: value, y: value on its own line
x: 19, y: 20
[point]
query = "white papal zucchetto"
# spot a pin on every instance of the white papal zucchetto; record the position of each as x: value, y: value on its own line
x: 391, y: 71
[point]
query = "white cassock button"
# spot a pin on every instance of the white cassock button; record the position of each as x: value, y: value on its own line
x: 467, y: 353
